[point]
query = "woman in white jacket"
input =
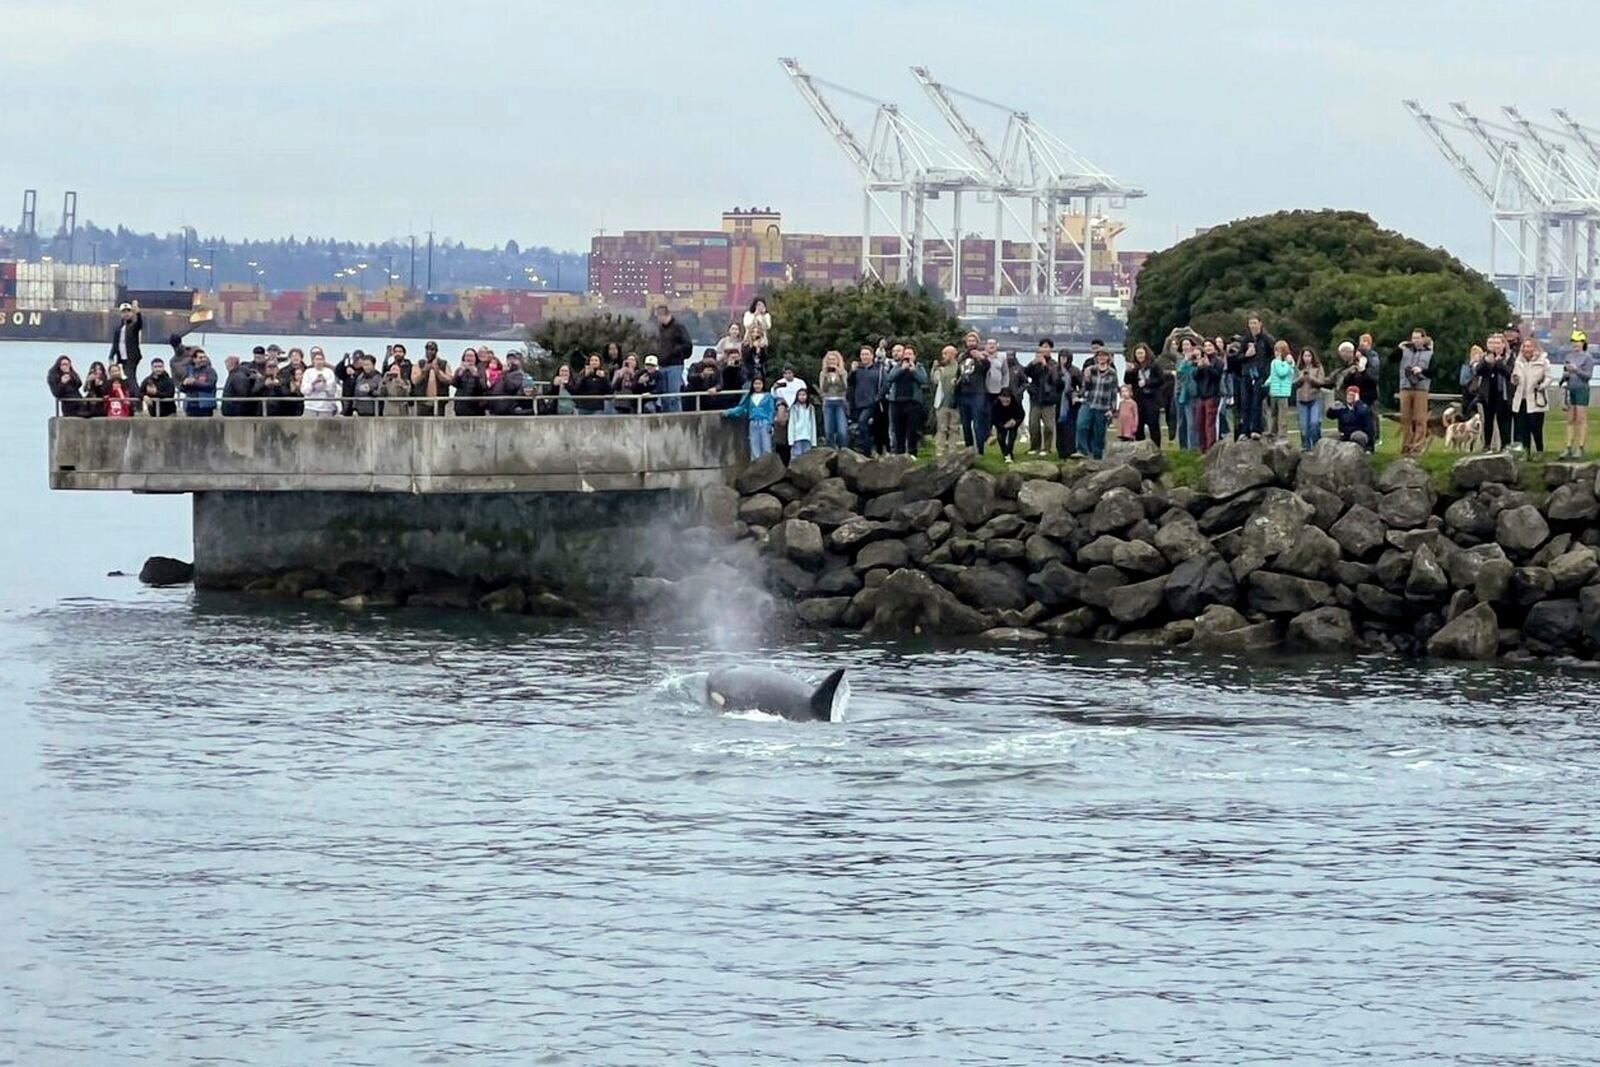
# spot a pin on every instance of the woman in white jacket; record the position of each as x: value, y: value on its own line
x: 1530, y: 396
x: 758, y: 318
x: 320, y: 387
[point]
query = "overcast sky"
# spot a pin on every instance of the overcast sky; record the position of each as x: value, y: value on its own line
x: 545, y: 121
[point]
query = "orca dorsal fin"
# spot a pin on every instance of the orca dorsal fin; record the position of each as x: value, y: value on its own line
x: 822, y: 701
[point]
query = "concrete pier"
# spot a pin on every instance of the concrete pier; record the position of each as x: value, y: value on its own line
x: 447, y: 507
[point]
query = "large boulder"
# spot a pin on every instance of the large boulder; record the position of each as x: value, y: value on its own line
x: 1037, y: 497
x: 1493, y: 583
x: 1323, y: 630
x: 789, y: 577
x: 1136, y: 600
x: 1074, y: 623
x: 1000, y: 526
x: 164, y: 571
x: 1406, y: 507
x: 1284, y: 594
x: 832, y: 491
x: 1376, y: 601
x: 1181, y: 539
x: 1573, y: 502
x: 992, y: 586
x: 1557, y: 623
x: 935, y: 479
x: 1232, y: 467
x: 1427, y: 580
x: 1088, y: 491
x: 768, y: 470
x: 1473, y: 634
x: 1589, y: 612
x: 808, y: 470
x: 1530, y: 585
x: 1117, y: 510
x: 1313, y: 555
x: 1229, y: 514
x: 1039, y: 550
x: 882, y: 475
x: 1521, y: 530
x: 1139, y: 557
x: 1574, y: 568
x: 1056, y: 585
x: 1337, y: 466
x: 1102, y: 549
x: 1403, y: 473
x: 1472, y: 471
x: 891, y: 554
x: 800, y: 541
x: 975, y: 497
x: 908, y: 602
x: 1359, y: 532
x: 1142, y: 456
x: 1470, y: 516
x: 823, y: 610
x: 1326, y: 506
x: 1198, y: 582
x: 1276, y: 525
x: 762, y: 509
x: 918, y: 515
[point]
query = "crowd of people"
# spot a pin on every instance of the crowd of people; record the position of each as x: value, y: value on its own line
x: 1200, y: 389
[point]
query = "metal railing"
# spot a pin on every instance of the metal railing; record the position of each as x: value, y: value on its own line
x: 520, y: 405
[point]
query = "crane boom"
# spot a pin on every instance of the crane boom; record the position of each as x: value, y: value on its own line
x: 1431, y: 127
x: 1579, y: 133
x: 830, y: 119
x: 965, y: 130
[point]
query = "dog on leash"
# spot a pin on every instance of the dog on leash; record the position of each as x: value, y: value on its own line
x: 1462, y: 435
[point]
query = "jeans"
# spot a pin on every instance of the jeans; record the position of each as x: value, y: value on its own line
x: 1041, y: 427
x: 1091, y: 431
x: 760, y: 438
x: 1182, y: 423
x: 671, y: 386
x: 835, y: 422
x: 799, y: 448
x: 975, y: 421
x: 1310, y: 423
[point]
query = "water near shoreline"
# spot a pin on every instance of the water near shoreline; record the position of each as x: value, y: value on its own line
x: 235, y: 833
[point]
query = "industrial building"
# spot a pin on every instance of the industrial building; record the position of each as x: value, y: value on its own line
x: 721, y: 269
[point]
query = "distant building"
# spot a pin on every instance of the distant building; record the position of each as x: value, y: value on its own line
x: 718, y: 270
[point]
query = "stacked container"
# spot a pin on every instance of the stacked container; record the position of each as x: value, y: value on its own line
x: 52, y: 286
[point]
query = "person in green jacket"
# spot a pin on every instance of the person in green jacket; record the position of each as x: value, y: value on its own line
x: 1280, y: 390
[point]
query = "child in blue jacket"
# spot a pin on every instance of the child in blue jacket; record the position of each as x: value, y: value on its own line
x: 756, y: 405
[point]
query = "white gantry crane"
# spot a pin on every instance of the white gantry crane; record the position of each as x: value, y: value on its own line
x: 1542, y: 184
x: 1036, y: 166
x: 899, y: 159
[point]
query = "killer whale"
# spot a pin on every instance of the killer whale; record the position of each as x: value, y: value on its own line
x: 771, y: 691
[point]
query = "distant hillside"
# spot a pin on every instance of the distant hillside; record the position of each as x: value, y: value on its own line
x: 156, y: 261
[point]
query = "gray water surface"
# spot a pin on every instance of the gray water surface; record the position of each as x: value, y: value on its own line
x: 232, y: 833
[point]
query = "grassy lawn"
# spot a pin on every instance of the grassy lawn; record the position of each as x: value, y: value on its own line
x: 1184, y: 467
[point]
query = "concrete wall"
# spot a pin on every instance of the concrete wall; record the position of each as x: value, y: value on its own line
x: 589, y: 543
x: 396, y: 455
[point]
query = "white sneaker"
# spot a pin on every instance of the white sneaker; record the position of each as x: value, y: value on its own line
x: 1008, y: 459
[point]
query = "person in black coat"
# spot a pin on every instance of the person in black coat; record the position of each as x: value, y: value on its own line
x: 158, y: 390
x: 469, y: 382
x: 592, y: 387
x: 66, y: 386
x: 239, y: 388
x: 1493, y: 377
x: 125, y: 340
x: 673, y: 349
x: 1148, y: 380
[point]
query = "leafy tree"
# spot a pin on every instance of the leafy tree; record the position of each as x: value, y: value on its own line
x: 807, y: 322
x: 572, y: 339
x: 1318, y: 278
